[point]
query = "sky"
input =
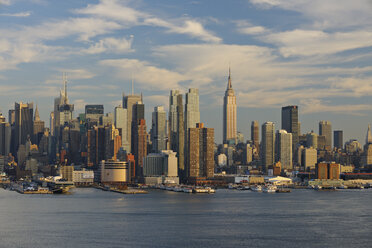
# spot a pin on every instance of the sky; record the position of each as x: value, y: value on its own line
x: 312, y: 53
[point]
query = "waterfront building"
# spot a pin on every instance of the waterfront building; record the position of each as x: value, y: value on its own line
x: 200, y: 152
x: 158, y: 130
x: 128, y: 102
x: 229, y: 114
x: 268, y: 145
x: 114, y: 172
x: 162, y: 166
x: 176, y: 129
x: 325, y: 129
x: 338, y: 139
x: 67, y: 172
x: 83, y: 177
x: 328, y: 170
x: 192, y: 117
x: 284, y: 149
x: 290, y: 123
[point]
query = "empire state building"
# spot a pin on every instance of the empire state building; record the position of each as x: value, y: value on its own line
x: 229, y: 114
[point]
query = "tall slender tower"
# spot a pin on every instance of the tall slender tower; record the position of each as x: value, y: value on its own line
x: 290, y: 123
x: 158, y: 134
x: 128, y: 102
x: 325, y: 129
x: 229, y: 113
x: 268, y: 145
x: 255, y: 135
x: 284, y: 148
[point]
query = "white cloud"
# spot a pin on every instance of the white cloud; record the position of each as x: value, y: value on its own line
x: 5, y: 2
x: 20, y: 14
x: 145, y: 74
x: 319, y: 106
x: 110, y: 44
x: 313, y: 42
x: 246, y: 27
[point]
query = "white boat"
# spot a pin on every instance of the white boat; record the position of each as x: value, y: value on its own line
x: 257, y: 188
x: 187, y: 190
x: 269, y: 189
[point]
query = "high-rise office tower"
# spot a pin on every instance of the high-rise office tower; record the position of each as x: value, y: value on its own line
x: 23, y: 124
x: 128, y: 102
x: 172, y: 119
x: 139, y: 136
x: 255, y: 135
x: 158, y: 132
x: 268, y: 145
x: 93, y: 112
x: 229, y: 114
x: 200, y: 152
x: 284, y: 149
x: 38, y: 127
x: 325, y: 129
x: 290, y: 123
x: 176, y: 129
x: 5, y: 136
x: 63, y: 111
x: 121, y: 121
x: 192, y: 115
x: 338, y: 139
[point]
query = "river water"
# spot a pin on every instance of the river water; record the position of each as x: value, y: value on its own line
x: 92, y: 218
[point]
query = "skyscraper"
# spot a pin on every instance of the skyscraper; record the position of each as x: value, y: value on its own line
x: 139, y: 136
x: 62, y: 109
x: 268, y: 145
x: 23, y: 123
x: 120, y: 117
x: 200, y: 152
x: 158, y: 132
x: 128, y: 102
x: 38, y: 127
x: 5, y: 136
x: 290, y: 123
x: 255, y: 135
x: 229, y: 113
x: 325, y: 129
x: 192, y: 116
x: 338, y: 139
x: 284, y: 149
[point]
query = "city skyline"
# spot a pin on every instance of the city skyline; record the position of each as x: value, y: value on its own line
x: 274, y: 65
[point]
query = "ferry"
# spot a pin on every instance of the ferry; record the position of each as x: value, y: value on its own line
x: 269, y: 189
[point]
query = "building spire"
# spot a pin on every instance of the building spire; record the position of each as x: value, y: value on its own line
x: 369, y: 136
x: 229, y: 85
x: 37, y: 116
x: 64, y: 78
x: 132, y: 85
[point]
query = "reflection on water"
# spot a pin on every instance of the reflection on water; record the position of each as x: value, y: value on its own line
x: 94, y: 218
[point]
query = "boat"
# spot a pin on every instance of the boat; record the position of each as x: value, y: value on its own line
x: 269, y: 189
x: 187, y: 190
x: 283, y: 190
x: 257, y: 188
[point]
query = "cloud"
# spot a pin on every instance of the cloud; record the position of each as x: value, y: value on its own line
x: 110, y: 44
x: 245, y: 27
x: 145, y: 74
x: 129, y: 17
x: 318, y: 106
x: 5, y: 2
x: 312, y: 42
x: 326, y: 14
x: 20, y: 14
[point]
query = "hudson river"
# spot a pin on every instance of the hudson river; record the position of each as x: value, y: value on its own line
x: 94, y: 218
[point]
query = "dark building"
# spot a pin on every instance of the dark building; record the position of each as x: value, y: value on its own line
x: 255, y: 135
x: 200, y: 152
x: 139, y: 136
x: 38, y: 128
x: 94, y: 112
x: 325, y: 129
x: 338, y: 139
x: 23, y: 126
x: 290, y: 123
